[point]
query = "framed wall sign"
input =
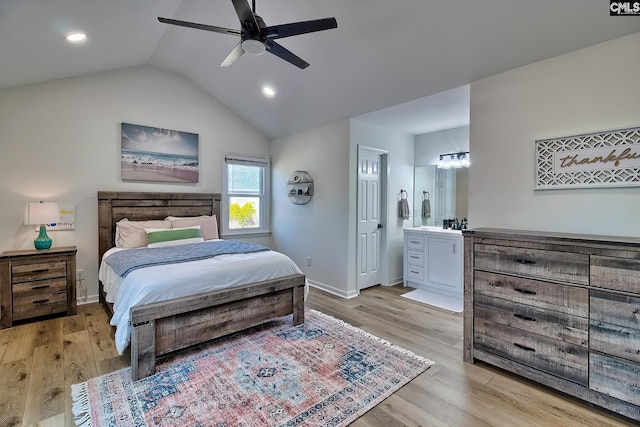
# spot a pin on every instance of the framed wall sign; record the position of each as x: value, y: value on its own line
x: 601, y: 159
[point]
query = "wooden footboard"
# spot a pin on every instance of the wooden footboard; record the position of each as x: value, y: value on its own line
x: 164, y: 327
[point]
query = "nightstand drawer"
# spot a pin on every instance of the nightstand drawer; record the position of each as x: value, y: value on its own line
x: 41, y: 304
x: 26, y: 272
x: 40, y: 287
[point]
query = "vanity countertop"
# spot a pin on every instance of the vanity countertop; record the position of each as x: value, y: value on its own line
x: 431, y: 229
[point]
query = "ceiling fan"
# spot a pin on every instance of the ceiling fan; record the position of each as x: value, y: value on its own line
x: 256, y: 37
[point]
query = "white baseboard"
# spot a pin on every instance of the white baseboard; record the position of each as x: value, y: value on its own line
x: 88, y: 300
x: 332, y: 290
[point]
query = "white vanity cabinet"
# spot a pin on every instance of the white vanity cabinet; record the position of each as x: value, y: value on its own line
x: 433, y: 260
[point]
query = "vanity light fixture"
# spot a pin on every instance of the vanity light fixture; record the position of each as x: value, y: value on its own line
x: 442, y: 164
x: 454, y: 160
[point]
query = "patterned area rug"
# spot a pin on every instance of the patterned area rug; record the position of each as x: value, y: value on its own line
x: 321, y: 373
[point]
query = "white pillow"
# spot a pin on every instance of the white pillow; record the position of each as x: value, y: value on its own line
x: 208, y: 224
x: 173, y: 236
x: 131, y: 234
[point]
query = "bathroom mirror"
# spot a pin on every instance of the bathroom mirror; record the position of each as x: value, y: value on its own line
x: 439, y: 194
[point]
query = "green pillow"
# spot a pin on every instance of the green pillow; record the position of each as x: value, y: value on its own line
x: 175, y: 236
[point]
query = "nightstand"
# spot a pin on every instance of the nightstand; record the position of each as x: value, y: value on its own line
x: 37, y: 283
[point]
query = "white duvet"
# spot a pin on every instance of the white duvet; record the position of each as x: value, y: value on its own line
x: 165, y: 282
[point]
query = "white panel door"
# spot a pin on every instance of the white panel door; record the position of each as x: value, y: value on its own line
x: 369, y: 219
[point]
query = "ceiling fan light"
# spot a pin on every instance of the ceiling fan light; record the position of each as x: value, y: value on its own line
x: 253, y: 47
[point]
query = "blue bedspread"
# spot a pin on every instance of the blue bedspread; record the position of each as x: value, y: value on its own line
x: 124, y: 262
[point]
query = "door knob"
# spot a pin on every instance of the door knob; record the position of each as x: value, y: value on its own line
x: 380, y: 226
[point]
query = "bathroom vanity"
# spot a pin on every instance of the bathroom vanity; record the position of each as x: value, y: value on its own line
x: 434, y: 260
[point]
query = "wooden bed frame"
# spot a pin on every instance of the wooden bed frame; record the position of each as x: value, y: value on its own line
x: 163, y: 327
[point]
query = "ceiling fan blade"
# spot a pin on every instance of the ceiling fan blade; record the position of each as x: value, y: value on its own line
x: 304, y: 27
x: 235, y: 53
x: 247, y: 20
x: 285, y: 54
x: 200, y: 26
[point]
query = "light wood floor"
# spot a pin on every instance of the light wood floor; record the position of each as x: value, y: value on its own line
x: 39, y: 361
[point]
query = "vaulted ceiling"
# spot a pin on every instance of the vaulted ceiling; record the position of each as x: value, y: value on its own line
x: 383, y: 53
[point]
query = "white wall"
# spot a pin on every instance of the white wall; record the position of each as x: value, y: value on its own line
x: 318, y: 229
x: 400, y: 148
x: 589, y: 90
x: 429, y: 146
x: 325, y: 229
x: 60, y: 141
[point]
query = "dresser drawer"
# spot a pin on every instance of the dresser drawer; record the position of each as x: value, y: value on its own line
x: 615, y: 325
x: 30, y: 271
x: 415, y: 273
x: 615, y: 377
x: 615, y: 273
x: 536, y: 263
x: 552, y: 324
x: 555, y: 357
x: 415, y: 258
x: 415, y: 242
x: 552, y: 296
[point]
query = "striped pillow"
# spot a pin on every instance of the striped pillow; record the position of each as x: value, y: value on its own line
x: 157, y: 238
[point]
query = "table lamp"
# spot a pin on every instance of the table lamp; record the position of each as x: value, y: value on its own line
x: 41, y: 214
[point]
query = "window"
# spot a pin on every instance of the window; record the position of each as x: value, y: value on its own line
x: 246, y: 189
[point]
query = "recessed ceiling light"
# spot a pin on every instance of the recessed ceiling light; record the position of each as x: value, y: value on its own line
x: 76, y: 37
x: 268, y: 91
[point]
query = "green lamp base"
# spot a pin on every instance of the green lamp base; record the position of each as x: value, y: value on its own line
x: 42, y: 241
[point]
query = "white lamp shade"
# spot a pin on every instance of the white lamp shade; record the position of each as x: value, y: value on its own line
x: 41, y: 213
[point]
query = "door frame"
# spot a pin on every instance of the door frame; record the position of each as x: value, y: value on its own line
x: 384, y: 246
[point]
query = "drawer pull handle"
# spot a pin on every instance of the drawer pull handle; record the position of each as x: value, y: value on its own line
x: 42, y: 270
x: 40, y: 287
x: 523, y: 317
x: 524, y: 347
x: 524, y: 291
x: 415, y: 257
x: 525, y: 261
x: 415, y: 242
x: 40, y: 301
x: 414, y: 272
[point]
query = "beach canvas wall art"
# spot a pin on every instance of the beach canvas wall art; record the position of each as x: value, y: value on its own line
x: 157, y: 154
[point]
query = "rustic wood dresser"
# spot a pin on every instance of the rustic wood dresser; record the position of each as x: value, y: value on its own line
x: 37, y: 283
x: 560, y: 309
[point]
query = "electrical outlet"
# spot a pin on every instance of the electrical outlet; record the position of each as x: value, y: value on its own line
x: 79, y: 275
x: 309, y: 261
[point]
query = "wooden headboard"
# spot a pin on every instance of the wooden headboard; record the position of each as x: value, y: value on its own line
x: 116, y: 205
